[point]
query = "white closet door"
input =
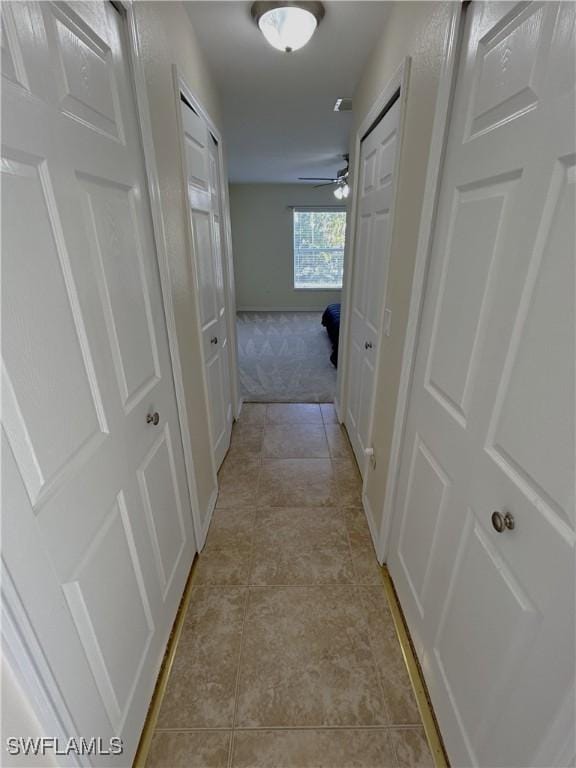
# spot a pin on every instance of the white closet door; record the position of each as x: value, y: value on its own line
x: 369, y: 284
x: 491, y: 418
x: 97, y: 527
x: 204, y: 197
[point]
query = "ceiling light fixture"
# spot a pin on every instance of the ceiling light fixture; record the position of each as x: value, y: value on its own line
x: 342, y: 190
x: 287, y: 26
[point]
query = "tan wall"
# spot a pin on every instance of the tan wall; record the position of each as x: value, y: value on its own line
x: 166, y: 37
x: 417, y: 29
x: 262, y: 240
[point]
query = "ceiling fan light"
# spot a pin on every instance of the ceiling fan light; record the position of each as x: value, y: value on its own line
x: 345, y: 190
x: 339, y: 193
x: 289, y: 26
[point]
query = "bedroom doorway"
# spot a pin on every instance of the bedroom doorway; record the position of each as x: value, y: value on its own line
x: 289, y: 258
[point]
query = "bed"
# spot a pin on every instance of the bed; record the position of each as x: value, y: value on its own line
x: 331, y: 321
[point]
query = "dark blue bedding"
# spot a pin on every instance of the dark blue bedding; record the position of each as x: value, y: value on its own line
x: 331, y: 321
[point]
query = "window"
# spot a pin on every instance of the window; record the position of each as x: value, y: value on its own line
x: 319, y: 248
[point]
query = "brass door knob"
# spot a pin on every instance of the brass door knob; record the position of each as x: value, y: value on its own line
x: 214, y: 340
x: 502, y: 522
x: 367, y: 345
x: 153, y: 418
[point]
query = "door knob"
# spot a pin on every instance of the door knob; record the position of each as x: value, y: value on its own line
x: 214, y: 340
x: 502, y: 522
x: 153, y: 418
x: 367, y: 345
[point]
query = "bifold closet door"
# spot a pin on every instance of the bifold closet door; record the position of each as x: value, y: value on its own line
x: 97, y: 527
x: 370, y: 273
x: 204, y: 199
x: 483, y: 542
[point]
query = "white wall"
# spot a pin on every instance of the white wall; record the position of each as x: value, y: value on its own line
x: 166, y: 37
x: 262, y: 245
x: 417, y: 29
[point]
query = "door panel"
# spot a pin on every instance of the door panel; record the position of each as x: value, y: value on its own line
x: 512, y: 615
x: 54, y: 426
x: 508, y: 71
x: 536, y: 370
x: 490, y: 423
x: 97, y: 532
x: 163, y: 506
x: 475, y: 229
x: 376, y: 271
x: 206, y: 279
x: 370, y: 274
x: 110, y: 213
x: 115, y: 634
x: 83, y: 65
x: 429, y: 486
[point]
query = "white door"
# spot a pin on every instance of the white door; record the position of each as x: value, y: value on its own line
x: 97, y: 527
x: 204, y: 197
x: 370, y: 274
x: 490, y: 425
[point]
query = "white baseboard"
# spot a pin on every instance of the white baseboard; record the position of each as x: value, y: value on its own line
x: 373, y: 527
x: 282, y: 309
x: 208, y: 518
x: 339, y: 414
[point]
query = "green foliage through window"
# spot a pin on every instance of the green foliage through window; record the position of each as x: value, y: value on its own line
x: 319, y: 248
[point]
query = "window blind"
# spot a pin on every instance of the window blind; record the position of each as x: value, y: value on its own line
x: 319, y: 248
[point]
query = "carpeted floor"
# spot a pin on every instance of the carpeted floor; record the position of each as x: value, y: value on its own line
x: 285, y: 357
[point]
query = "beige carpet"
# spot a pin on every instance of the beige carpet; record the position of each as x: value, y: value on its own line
x: 285, y: 357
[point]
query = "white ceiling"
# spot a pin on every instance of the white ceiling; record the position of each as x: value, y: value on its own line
x: 279, y: 122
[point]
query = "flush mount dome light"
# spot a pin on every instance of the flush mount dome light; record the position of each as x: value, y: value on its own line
x: 287, y: 26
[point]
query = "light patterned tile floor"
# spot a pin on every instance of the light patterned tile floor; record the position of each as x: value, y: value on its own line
x: 289, y: 657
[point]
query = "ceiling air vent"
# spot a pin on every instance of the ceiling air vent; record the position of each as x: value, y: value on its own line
x: 343, y: 105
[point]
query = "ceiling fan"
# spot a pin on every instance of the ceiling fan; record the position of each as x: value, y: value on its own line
x: 341, y: 181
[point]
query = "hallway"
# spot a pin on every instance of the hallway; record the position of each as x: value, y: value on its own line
x: 288, y: 655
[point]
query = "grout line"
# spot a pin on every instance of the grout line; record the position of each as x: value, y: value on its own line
x: 327, y: 441
x: 370, y: 641
x: 252, y: 728
x: 350, y: 550
x: 195, y: 728
x: 310, y: 585
x: 240, y: 650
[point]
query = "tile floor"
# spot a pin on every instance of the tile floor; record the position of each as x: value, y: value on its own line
x: 288, y: 657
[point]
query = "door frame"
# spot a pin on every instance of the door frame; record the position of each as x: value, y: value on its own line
x: 398, y: 83
x: 438, y: 142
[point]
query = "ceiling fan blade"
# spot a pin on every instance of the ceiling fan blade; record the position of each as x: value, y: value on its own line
x: 315, y: 178
x: 329, y: 184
